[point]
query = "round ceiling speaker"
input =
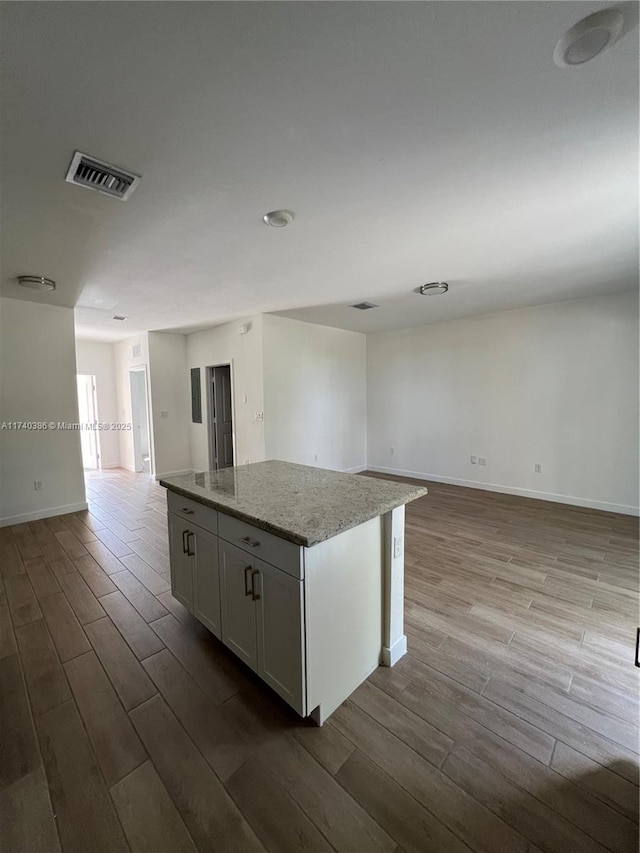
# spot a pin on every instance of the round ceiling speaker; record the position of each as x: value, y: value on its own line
x: 589, y: 37
x: 433, y: 288
x: 36, y: 282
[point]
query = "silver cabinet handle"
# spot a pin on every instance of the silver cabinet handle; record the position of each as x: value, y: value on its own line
x: 253, y: 542
x: 190, y: 553
x: 247, y: 589
x: 254, y: 595
x: 185, y: 544
x: 186, y: 510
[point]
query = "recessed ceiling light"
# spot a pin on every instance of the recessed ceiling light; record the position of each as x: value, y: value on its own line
x: 588, y: 38
x: 433, y: 288
x: 279, y: 218
x: 118, y: 317
x: 36, y: 282
x: 364, y: 306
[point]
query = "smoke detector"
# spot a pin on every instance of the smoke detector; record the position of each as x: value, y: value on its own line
x: 364, y: 306
x: 94, y: 174
x: 279, y: 218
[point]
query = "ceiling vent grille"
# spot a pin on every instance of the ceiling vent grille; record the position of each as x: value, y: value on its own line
x: 364, y: 306
x: 97, y: 175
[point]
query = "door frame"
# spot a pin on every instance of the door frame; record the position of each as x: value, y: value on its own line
x: 210, y: 404
x: 142, y: 368
x: 95, y: 433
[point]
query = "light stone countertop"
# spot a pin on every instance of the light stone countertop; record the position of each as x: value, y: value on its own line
x: 302, y: 504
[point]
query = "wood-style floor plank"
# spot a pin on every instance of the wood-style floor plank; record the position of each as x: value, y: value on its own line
x: 112, y: 737
x: 129, y: 679
x: 23, y: 604
x: 134, y: 629
x: 45, y: 678
x: 85, y: 815
x: 214, y: 821
x: 68, y: 636
x: 151, y: 821
x: 84, y: 603
x: 18, y: 747
x: 26, y: 820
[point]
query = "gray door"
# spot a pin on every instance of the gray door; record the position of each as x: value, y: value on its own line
x: 222, y: 416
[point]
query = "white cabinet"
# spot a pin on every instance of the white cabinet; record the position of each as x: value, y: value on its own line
x: 237, y: 603
x: 262, y: 621
x: 280, y: 624
x: 194, y: 570
x: 180, y: 561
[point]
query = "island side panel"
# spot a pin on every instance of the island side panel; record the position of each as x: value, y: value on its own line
x: 343, y: 614
x: 395, y: 640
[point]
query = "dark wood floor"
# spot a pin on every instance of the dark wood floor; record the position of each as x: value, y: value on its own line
x: 511, y: 725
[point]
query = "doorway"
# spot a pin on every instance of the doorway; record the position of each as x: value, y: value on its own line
x: 88, y: 416
x: 220, y: 407
x: 140, y: 421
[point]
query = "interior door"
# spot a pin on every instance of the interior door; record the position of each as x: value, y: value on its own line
x: 281, y: 656
x: 180, y: 556
x: 206, y: 574
x: 223, y: 416
x: 237, y: 607
x: 88, y: 417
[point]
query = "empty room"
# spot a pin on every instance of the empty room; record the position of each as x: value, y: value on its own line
x: 319, y: 426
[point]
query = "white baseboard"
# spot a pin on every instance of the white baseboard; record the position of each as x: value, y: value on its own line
x: 43, y: 513
x: 109, y: 465
x: 605, y: 506
x: 165, y: 474
x: 390, y: 656
x: 357, y: 470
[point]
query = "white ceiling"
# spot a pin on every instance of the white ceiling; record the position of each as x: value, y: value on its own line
x: 415, y: 142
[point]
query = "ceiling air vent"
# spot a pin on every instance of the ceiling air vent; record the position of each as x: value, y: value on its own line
x: 364, y: 306
x: 97, y: 175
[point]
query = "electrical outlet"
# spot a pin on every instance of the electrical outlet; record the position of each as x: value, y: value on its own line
x: 473, y: 460
x: 397, y: 546
x: 259, y: 416
x: 482, y: 460
x: 38, y: 485
x: 537, y: 468
x: 164, y: 414
x: 392, y: 451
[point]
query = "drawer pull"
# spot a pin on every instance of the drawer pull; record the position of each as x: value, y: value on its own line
x: 254, y: 595
x: 186, y: 510
x: 253, y: 542
x: 185, y: 544
x: 247, y: 589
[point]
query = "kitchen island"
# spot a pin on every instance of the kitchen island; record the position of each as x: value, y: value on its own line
x: 298, y: 570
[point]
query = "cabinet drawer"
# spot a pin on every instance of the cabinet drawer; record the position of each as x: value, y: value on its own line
x: 192, y: 511
x: 272, y: 549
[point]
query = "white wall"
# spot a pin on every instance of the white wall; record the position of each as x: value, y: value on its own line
x: 38, y: 383
x: 553, y: 384
x: 170, y: 402
x: 124, y: 362
x: 97, y: 359
x: 315, y: 394
x: 223, y: 345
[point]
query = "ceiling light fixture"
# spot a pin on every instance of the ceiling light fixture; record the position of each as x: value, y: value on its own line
x: 36, y: 282
x: 118, y: 317
x: 279, y: 218
x: 434, y: 288
x: 364, y: 306
x: 589, y: 37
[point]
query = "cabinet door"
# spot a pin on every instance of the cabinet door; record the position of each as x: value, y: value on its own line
x: 237, y: 608
x: 206, y: 579
x: 281, y: 657
x: 181, y: 564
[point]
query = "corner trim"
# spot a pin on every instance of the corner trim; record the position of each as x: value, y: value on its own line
x: 43, y: 513
x: 390, y: 656
x: 588, y: 503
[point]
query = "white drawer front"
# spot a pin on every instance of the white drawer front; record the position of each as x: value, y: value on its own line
x: 272, y: 549
x: 193, y: 511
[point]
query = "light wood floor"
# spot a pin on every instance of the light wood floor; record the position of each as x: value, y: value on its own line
x: 511, y: 725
